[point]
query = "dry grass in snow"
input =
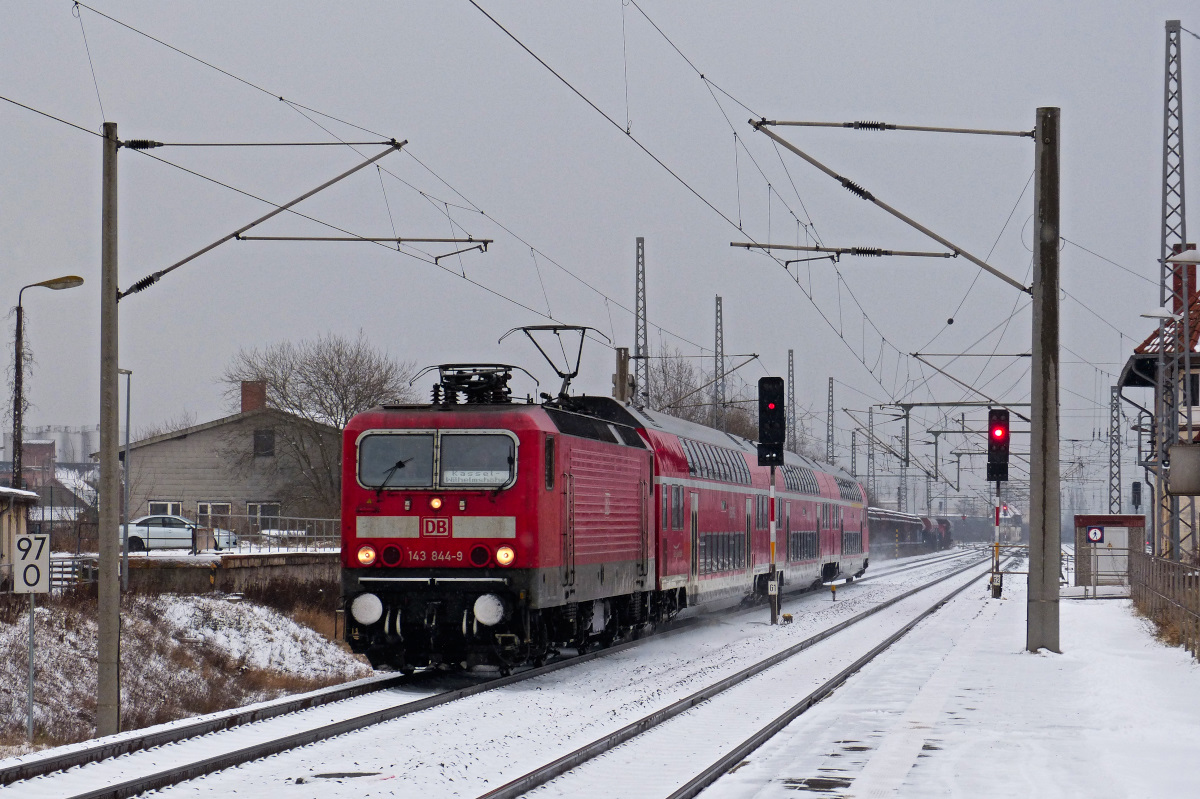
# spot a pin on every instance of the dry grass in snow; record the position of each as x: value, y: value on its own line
x: 180, y: 656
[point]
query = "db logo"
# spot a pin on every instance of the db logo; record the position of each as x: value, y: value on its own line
x: 433, y: 527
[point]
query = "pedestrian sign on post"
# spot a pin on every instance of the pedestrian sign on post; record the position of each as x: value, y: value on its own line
x: 31, y: 564
x: 1095, y: 534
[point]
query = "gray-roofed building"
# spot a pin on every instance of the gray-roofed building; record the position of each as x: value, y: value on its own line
x: 261, y: 463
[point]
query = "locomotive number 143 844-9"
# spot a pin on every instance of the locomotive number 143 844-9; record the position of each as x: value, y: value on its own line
x: 435, y: 556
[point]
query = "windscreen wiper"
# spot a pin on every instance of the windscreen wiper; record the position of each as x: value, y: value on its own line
x: 399, y: 465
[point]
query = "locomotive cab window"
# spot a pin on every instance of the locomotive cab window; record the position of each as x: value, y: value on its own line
x: 477, y: 460
x: 396, y: 460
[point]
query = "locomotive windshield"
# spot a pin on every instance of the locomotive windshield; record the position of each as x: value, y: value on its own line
x: 396, y: 461
x: 477, y: 460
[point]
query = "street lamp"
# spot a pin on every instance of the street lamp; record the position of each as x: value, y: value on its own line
x: 58, y: 284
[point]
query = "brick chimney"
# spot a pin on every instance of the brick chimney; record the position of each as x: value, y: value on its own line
x: 254, y: 395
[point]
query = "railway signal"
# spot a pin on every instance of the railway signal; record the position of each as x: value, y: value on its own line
x: 998, y: 440
x: 997, y: 470
x: 772, y: 421
x: 772, y: 433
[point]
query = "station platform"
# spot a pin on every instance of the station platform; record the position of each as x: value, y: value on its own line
x: 958, y: 708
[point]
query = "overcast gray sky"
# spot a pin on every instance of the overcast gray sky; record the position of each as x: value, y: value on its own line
x: 499, y: 134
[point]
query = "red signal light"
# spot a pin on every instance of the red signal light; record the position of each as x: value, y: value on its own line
x: 998, y: 432
x: 770, y: 406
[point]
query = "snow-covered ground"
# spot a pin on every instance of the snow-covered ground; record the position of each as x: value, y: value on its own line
x: 473, y: 745
x: 958, y: 708
x: 181, y: 656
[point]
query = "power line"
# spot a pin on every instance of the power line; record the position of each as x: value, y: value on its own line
x: 211, y: 66
x: 1108, y: 261
x: 75, y: 13
x: 839, y: 330
x: 301, y: 108
x: 676, y: 175
x: 987, y: 257
x: 429, y: 259
x: 51, y: 116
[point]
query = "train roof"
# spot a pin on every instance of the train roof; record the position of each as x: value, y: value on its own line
x: 613, y: 410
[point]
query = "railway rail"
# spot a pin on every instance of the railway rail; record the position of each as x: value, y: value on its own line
x: 361, y: 691
x: 551, y: 771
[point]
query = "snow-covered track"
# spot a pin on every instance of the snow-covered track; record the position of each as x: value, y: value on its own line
x: 50, y: 766
x: 714, y: 771
x: 184, y: 750
x: 933, y: 559
x: 562, y: 765
x: 114, y: 746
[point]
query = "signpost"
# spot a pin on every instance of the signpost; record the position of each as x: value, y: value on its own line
x: 31, y: 575
x: 772, y: 433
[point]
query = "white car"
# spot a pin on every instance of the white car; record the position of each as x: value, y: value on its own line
x: 170, y: 532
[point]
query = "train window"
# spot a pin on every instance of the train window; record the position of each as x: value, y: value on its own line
x: 630, y: 437
x: 719, y: 467
x: 727, y: 461
x: 549, y: 463
x: 394, y: 460
x: 687, y: 453
x: 477, y: 460
x: 664, y: 519
x: 677, y: 507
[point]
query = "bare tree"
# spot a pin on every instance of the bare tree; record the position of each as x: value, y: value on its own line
x: 675, y: 386
x: 680, y: 388
x: 181, y: 421
x: 319, y: 385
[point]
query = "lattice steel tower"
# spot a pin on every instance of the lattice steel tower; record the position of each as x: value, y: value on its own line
x: 791, y: 403
x: 718, y: 396
x: 641, y: 364
x: 829, y: 426
x: 1114, y: 450
x: 871, y: 452
x: 1175, y: 287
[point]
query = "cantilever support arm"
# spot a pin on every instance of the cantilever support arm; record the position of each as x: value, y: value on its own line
x: 153, y: 278
x: 865, y: 252
x: 854, y: 188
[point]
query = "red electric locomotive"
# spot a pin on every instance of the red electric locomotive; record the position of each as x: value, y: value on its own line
x: 480, y: 530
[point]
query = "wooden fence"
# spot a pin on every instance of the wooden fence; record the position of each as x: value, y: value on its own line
x: 1168, y: 593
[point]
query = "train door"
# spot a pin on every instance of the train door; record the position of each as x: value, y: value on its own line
x: 749, y: 528
x: 644, y: 496
x: 694, y: 526
x: 785, y: 546
x: 822, y: 530
x: 568, y: 529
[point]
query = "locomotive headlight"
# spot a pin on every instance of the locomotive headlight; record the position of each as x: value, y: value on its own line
x: 366, y: 609
x: 366, y: 555
x: 435, y: 503
x: 489, y: 610
x: 505, y: 556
